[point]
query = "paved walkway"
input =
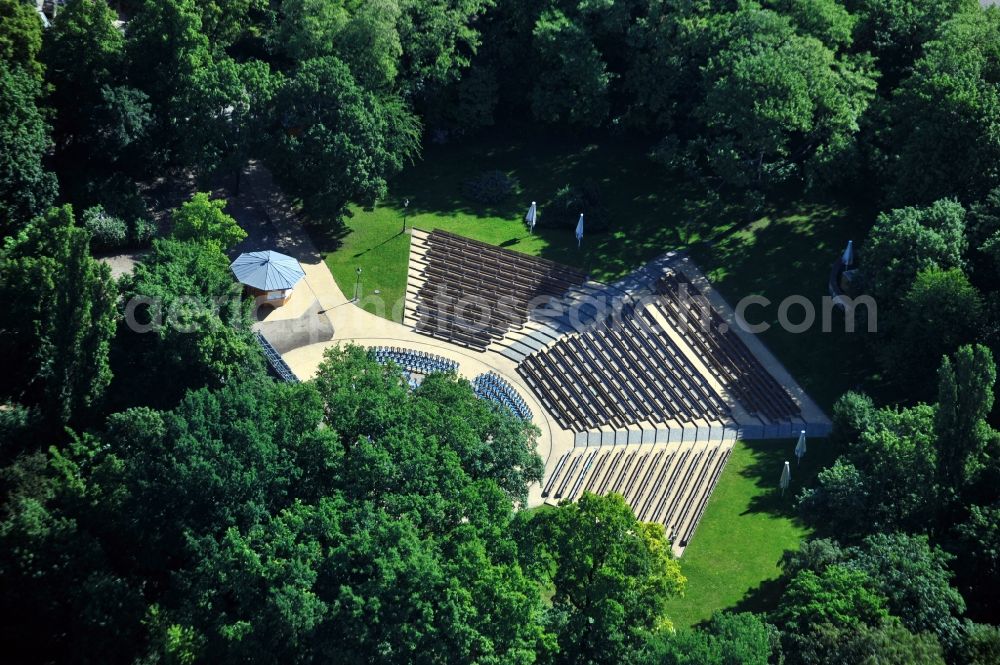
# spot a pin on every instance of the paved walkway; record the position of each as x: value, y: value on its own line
x: 290, y: 239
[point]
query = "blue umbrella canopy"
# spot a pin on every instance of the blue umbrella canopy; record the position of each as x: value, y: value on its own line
x: 267, y: 271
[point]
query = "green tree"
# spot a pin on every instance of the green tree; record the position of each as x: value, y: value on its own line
x: 26, y: 188
x: 83, y: 51
x: 165, y: 49
x: 611, y: 576
x: 840, y: 596
x: 982, y: 644
x: 915, y: 579
x: 490, y: 441
x: 370, y: 44
x: 727, y: 639
x: 946, y: 117
x: 310, y: 28
x: 98, y: 116
x: 984, y: 233
x: 895, y: 31
x: 978, y: 549
x: 965, y: 399
x: 885, y: 481
x: 839, y: 500
x: 826, y: 20
x: 439, y: 38
x: 853, y: 413
x: 229, y: 117
x: 186, y: 324
x: 888, y: 644
x: 667, y: 49
x: 364, y: 35
x: 43, y: 554
x: 59, y: 317
x: 338, y: 142
x: 778, y: 104
x: 20, y: 37
x: 18, y: 425
x: 572, y: 87
x: 277, y: 539
x: 364, y: 398
x: 814, y: 554
x: 227, y: 21
x: 906, y: 241
x: 940, y: 312
x: 202, y: 219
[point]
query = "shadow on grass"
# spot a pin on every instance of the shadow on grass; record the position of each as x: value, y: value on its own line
x: 376, y: 246
x: 769, y: 457
x: 652, y: 211
x: 788, y: 253
x: 328, y: 238
x: 763, y: 598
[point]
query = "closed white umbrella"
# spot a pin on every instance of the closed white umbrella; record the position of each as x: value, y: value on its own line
x: 532, y: 217
x: 786, y: 478
x: 579, y: 231
x: 800, y: 447
x: 848, y: 257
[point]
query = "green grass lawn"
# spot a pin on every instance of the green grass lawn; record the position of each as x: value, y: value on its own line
x: 733, y: 559
x: 651, y: 213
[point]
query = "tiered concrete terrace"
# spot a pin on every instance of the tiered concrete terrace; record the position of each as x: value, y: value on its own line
x: 627, y: 399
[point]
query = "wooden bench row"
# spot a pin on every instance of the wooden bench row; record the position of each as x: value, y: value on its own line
x: 726, y: 355
x: 474, y: 294
x: 668, y: 486
x: 619, y: 373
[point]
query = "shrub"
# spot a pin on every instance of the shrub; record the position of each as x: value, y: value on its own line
x: 107, y: 231
x: 143, y: 231
x: 203, y: 219
x: 569, y: 202
x: 490, y: 188
x: 853, y: 414
x: 119, y: 197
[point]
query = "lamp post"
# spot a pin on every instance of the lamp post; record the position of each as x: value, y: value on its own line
x: 406, y: 204
x: 357, y: 284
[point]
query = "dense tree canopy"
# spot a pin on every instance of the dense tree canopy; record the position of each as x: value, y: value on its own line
x: 905, y: 241
x: 611, y: 576
x: 339, y: 142
x: 777, y: 100
x: 730, y: 638
x: 895, y: 31
x: 939, y: 313
x: 284, y: 539
x: 98, y: 116
x: 185, y: 323
x: 26, y: 188
x: 57, y: 326
x: 165, y: 50
x: 20, y: 37
x: 950, y: 106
